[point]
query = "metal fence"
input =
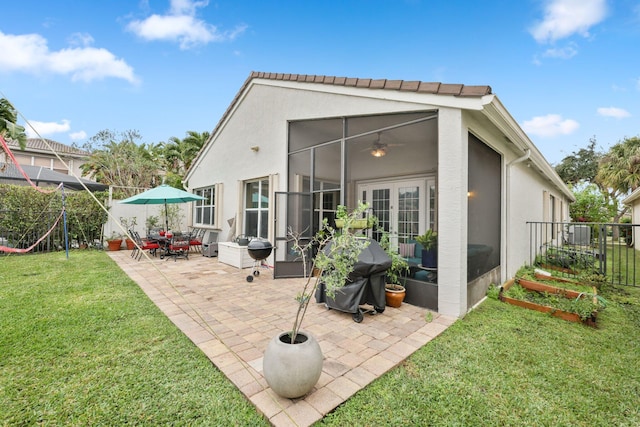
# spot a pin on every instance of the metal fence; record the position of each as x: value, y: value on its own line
x: 23, y: 235
x: 581, y: 248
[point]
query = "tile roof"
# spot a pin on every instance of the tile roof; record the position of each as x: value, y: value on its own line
x: 459, y: 90
x: 401, y: 85
x: 39, y: 144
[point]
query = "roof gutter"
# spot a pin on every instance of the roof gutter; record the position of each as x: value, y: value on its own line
x: 527, y: 154
x: 520, y: 159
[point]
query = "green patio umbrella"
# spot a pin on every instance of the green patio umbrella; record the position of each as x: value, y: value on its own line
x: 162, y: 194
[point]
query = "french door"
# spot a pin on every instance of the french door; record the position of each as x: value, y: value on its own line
x: 404, y: 208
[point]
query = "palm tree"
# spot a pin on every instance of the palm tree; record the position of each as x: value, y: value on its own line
x: 619, y: 171
x: 193, y: 142
x: 8, y: 126
x: 180, y: 153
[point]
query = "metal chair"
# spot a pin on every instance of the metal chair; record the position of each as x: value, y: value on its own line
x: 195, y: 241
x: 150, y: 245
x: 178, y: 247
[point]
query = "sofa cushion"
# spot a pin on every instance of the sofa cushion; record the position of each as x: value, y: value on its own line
x: 407, y: 250
x: 417, y: 253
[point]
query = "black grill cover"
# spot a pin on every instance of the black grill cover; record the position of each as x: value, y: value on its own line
x: 365, y: 285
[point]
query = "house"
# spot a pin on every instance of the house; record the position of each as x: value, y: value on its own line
x: 291, y: 148
x: 43, y: 168
x: 38, y: 153
x: 45, y: 177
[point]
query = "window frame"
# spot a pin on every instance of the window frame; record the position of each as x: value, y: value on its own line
x: 262, y: 208
x: 213, y: 206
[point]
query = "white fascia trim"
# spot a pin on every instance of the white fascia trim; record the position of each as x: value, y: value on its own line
x: 632, y: 197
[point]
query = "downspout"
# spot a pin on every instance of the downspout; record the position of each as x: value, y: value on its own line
x: 525, y: 157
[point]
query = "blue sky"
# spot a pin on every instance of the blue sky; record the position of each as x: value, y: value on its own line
x: 567, y: 70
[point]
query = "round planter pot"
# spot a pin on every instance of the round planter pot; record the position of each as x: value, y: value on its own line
x: 292, y: 370
x: 114, y: 245
x: 394, y: 295
x: 130, y: 244
x: 430, y: 258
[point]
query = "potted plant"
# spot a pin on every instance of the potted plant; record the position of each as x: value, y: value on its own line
x: 151, y: 222
x: 429, y: 242
x: 114, y: 242
x: 292, y: 361
x: 394, y: 290
x: 358, y: 223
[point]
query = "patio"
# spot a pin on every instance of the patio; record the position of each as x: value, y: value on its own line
x: 232, y: 321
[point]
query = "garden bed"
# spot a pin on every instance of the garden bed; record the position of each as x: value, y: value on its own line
x: 558, y: 301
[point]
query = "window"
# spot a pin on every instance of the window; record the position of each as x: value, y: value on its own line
x: 256, y: 208
x: 205, y: 210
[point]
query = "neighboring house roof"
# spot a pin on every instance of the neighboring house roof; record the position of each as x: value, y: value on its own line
x: 9, y: 174
x: 39, y: 145
x: 485, y: 102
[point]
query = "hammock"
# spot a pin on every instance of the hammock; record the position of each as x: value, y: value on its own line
x: 30, y: 248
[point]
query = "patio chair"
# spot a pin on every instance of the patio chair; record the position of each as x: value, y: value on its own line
x: 195, y: 241
x: 178, y: 247
x: 145, y: 244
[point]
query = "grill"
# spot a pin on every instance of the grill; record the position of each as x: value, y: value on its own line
x: 259, y: 250
x: 365, y: 284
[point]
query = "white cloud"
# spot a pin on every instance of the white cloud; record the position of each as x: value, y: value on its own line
x: 182, y: 26
x: 550, y: 125
x: 30, y: 53
x: 35, y: 129
x: 566, y: 52
x: 614, y: 112
x: 564, y: 18
x: 77, y: 136
x: 81, y: 39
x: 89, y: 64
x: 186, y: 7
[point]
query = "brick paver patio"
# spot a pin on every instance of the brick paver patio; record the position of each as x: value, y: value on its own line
x: 232, y: 321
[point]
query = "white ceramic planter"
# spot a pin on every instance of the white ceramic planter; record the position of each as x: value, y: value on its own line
x: 292, y: 370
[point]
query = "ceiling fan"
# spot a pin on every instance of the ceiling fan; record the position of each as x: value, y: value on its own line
x: 379, y: 148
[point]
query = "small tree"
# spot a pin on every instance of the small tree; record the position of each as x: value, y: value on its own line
x: 590, y: 205
x: 118, y: 159
x: 171, y: 215
x: 338, y: 251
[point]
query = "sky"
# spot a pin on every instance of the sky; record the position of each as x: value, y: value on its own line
x: 566, y: 70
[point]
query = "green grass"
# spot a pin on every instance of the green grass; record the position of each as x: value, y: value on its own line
x: 623, y: 264
x: 82, y: 345
x: 503, y: 366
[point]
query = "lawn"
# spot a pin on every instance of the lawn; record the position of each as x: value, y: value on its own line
x: 82, y: 345
x: 504, y: 365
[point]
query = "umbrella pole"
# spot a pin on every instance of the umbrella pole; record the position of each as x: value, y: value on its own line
x: 166, y: 216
